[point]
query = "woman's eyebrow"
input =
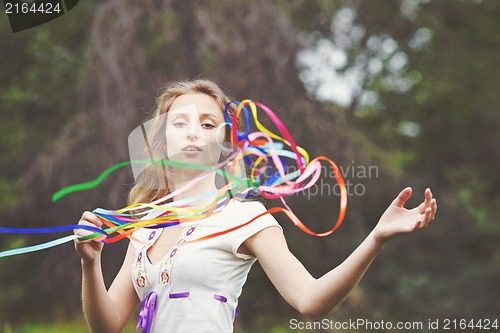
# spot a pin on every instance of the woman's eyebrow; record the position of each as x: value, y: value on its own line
x: 178, y: 115
x: 204, y: 115
x: 209, y: 115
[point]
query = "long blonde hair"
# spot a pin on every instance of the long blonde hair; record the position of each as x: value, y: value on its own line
x: 152, y: 183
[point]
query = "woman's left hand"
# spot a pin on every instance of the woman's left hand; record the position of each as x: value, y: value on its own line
x: 398, y: 220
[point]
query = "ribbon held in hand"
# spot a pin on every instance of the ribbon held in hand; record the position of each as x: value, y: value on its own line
x: 277, y: 167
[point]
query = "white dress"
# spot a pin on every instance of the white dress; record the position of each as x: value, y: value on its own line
x: 198, y: 284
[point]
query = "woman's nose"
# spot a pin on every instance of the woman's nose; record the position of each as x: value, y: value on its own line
x: 193, y: 132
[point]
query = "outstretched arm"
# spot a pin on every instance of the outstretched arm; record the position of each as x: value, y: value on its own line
x: 317, y: 297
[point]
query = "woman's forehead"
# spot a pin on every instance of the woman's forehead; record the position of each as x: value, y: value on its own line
x: 202, y: 103
x: 195, y: 111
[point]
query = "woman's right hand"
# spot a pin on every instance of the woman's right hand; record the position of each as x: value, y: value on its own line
x: 89, y: 250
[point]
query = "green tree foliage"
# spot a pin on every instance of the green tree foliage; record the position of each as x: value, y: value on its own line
x: 38, y: 90
x: 428, y: 110
x: 453, y: 106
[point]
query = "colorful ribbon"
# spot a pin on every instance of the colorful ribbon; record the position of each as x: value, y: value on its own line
x: 265, y: 153
x: 147, y: 312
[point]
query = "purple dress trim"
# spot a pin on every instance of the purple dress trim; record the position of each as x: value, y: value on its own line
x: 220, y: 298
x: 179, y: 295
x: 147, y: 312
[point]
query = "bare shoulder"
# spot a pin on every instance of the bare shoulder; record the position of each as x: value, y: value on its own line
x: 264, y: 242
x: 268, y: 236
x: 269, y: 230
x: 249, y: 209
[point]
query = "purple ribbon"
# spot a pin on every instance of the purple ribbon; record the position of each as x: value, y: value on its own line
x: 179, y: 295
x: 220, y: 298
x: 147, y: 312
x: 224, y: 299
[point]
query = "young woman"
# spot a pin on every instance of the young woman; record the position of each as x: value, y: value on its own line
x: 194, y: 287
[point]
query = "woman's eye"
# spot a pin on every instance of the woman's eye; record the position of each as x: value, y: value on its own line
x: 179, y: 124
x: 208, y: 125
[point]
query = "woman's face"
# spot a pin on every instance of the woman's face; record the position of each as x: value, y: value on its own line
x: 191, y: 129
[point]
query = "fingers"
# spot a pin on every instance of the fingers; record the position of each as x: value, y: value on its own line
x: 88, y: 249
x: 428, y: 197
x: 88, y: 219
x: 424, y: 220
x: 427, y: 217
x: 433, y: 208
x: 402, y: 197
x: 432, y: 205
x: 429, y: 202
x: 92, y: 218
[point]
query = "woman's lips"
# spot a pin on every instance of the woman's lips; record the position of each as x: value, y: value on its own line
x: 192, y: 148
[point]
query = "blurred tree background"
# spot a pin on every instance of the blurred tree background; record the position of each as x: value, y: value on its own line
x: 406, y: 87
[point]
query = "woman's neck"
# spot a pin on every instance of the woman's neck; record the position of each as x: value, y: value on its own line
x: 204, y: 186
